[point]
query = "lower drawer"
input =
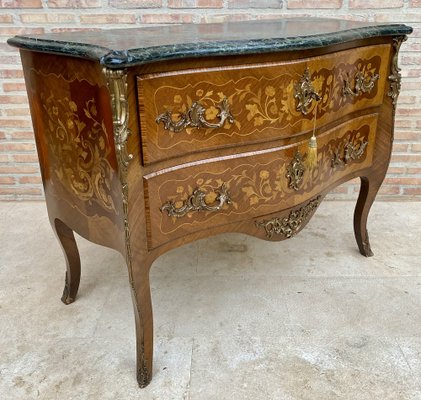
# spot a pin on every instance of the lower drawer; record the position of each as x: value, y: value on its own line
x: 200, y: 195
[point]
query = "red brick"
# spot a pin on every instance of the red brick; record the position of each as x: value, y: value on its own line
x: 255, y: 4
x: 411, y: 59
x: 182, y: 3
x: 74, y: 3
x: 2, y: 136
x: 413, y: 170
x: 314, y: 4
x: 108, y: 19
x: 6, y: 18
x: 22, y: 135
x: 225, y: 17
x: 17, y: 147
x: 407, y: 158
x: 412, y: 46
x: 21, y: 3
x: 406, y: 17
x: 407, y: 99
x: 408, y: 111
x: 214, y: 3
x: 403, y: 123
x: 15, y: 123
x: 10, y: 60
x: 19, y: 191
x: 396, y: 170
x: 14, y: 87
x: 7, y: 180
x: 47, y: 18
x: 407, y: 86
x: 20, y: 31
x: 416, y: 147
x: 375, y: 3
x: 388, y: 190
x: 166, y: 18
x: 136, y: 3
x: 30, y: 179
x: 400, y: 147
x: 9, y: 99
x: 195, y: 3
x: 4, y: 47
x: 410, y: 73
x: 407, y: 135
x: 19, y: 169
x: 403, y: 181
x: 415, y: 3
x: 10, y: 112
x: 25, y: 158
x: 412, y: 191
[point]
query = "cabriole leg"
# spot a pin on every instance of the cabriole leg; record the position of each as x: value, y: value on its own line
x: 368, y: 192
x: 68, y: 244
x: 141, y: 296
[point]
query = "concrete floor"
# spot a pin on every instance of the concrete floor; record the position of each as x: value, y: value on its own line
x: 235, y: 317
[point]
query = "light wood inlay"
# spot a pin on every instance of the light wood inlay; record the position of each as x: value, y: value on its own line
x: 261, y: 99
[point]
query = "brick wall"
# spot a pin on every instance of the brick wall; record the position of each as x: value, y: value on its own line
x: 19, y: 173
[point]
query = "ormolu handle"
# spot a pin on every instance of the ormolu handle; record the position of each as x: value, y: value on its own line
x: 196, y: 202
x: 305, y: 93
x: 195, y: 117
x: 295, y: 171
x: 363, y: 84
x: 351, y: 151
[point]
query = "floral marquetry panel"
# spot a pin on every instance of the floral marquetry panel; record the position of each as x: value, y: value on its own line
x: 257, y: 182
x: 262, y: 100
x: 74, y: 118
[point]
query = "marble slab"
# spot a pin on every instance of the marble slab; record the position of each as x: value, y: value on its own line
x: 120, y: 48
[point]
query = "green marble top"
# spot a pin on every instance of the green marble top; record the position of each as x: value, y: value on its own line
x: 119, y: 48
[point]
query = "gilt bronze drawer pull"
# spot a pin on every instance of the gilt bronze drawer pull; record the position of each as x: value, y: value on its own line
x: 196, y: 202
x: 351, y: 151
x: 195, y: 117
x: 295, y: 171
x: 305, y: 93
x: 363, y: 84
x: 290, y: 225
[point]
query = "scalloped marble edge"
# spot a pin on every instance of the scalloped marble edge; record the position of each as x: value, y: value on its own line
x: 118, y: 59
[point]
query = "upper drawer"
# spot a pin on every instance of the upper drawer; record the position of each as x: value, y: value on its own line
x: 182, y: 112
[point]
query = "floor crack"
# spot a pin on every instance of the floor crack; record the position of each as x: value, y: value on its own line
x: 409, y: 365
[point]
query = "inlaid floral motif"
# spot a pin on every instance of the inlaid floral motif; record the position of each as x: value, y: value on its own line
x: 268, y: 102
x: 78, y: 140
x: 265, y: 184
x: 262, y: 183
x: 265, y: 106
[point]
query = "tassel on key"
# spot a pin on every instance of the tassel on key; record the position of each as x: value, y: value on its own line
x: 311, y: 160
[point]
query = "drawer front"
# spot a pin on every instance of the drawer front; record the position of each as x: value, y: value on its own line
x: 205, y: 109
x: 200, y: 195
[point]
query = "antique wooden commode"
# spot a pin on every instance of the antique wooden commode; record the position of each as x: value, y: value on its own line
x: 151, y: 138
